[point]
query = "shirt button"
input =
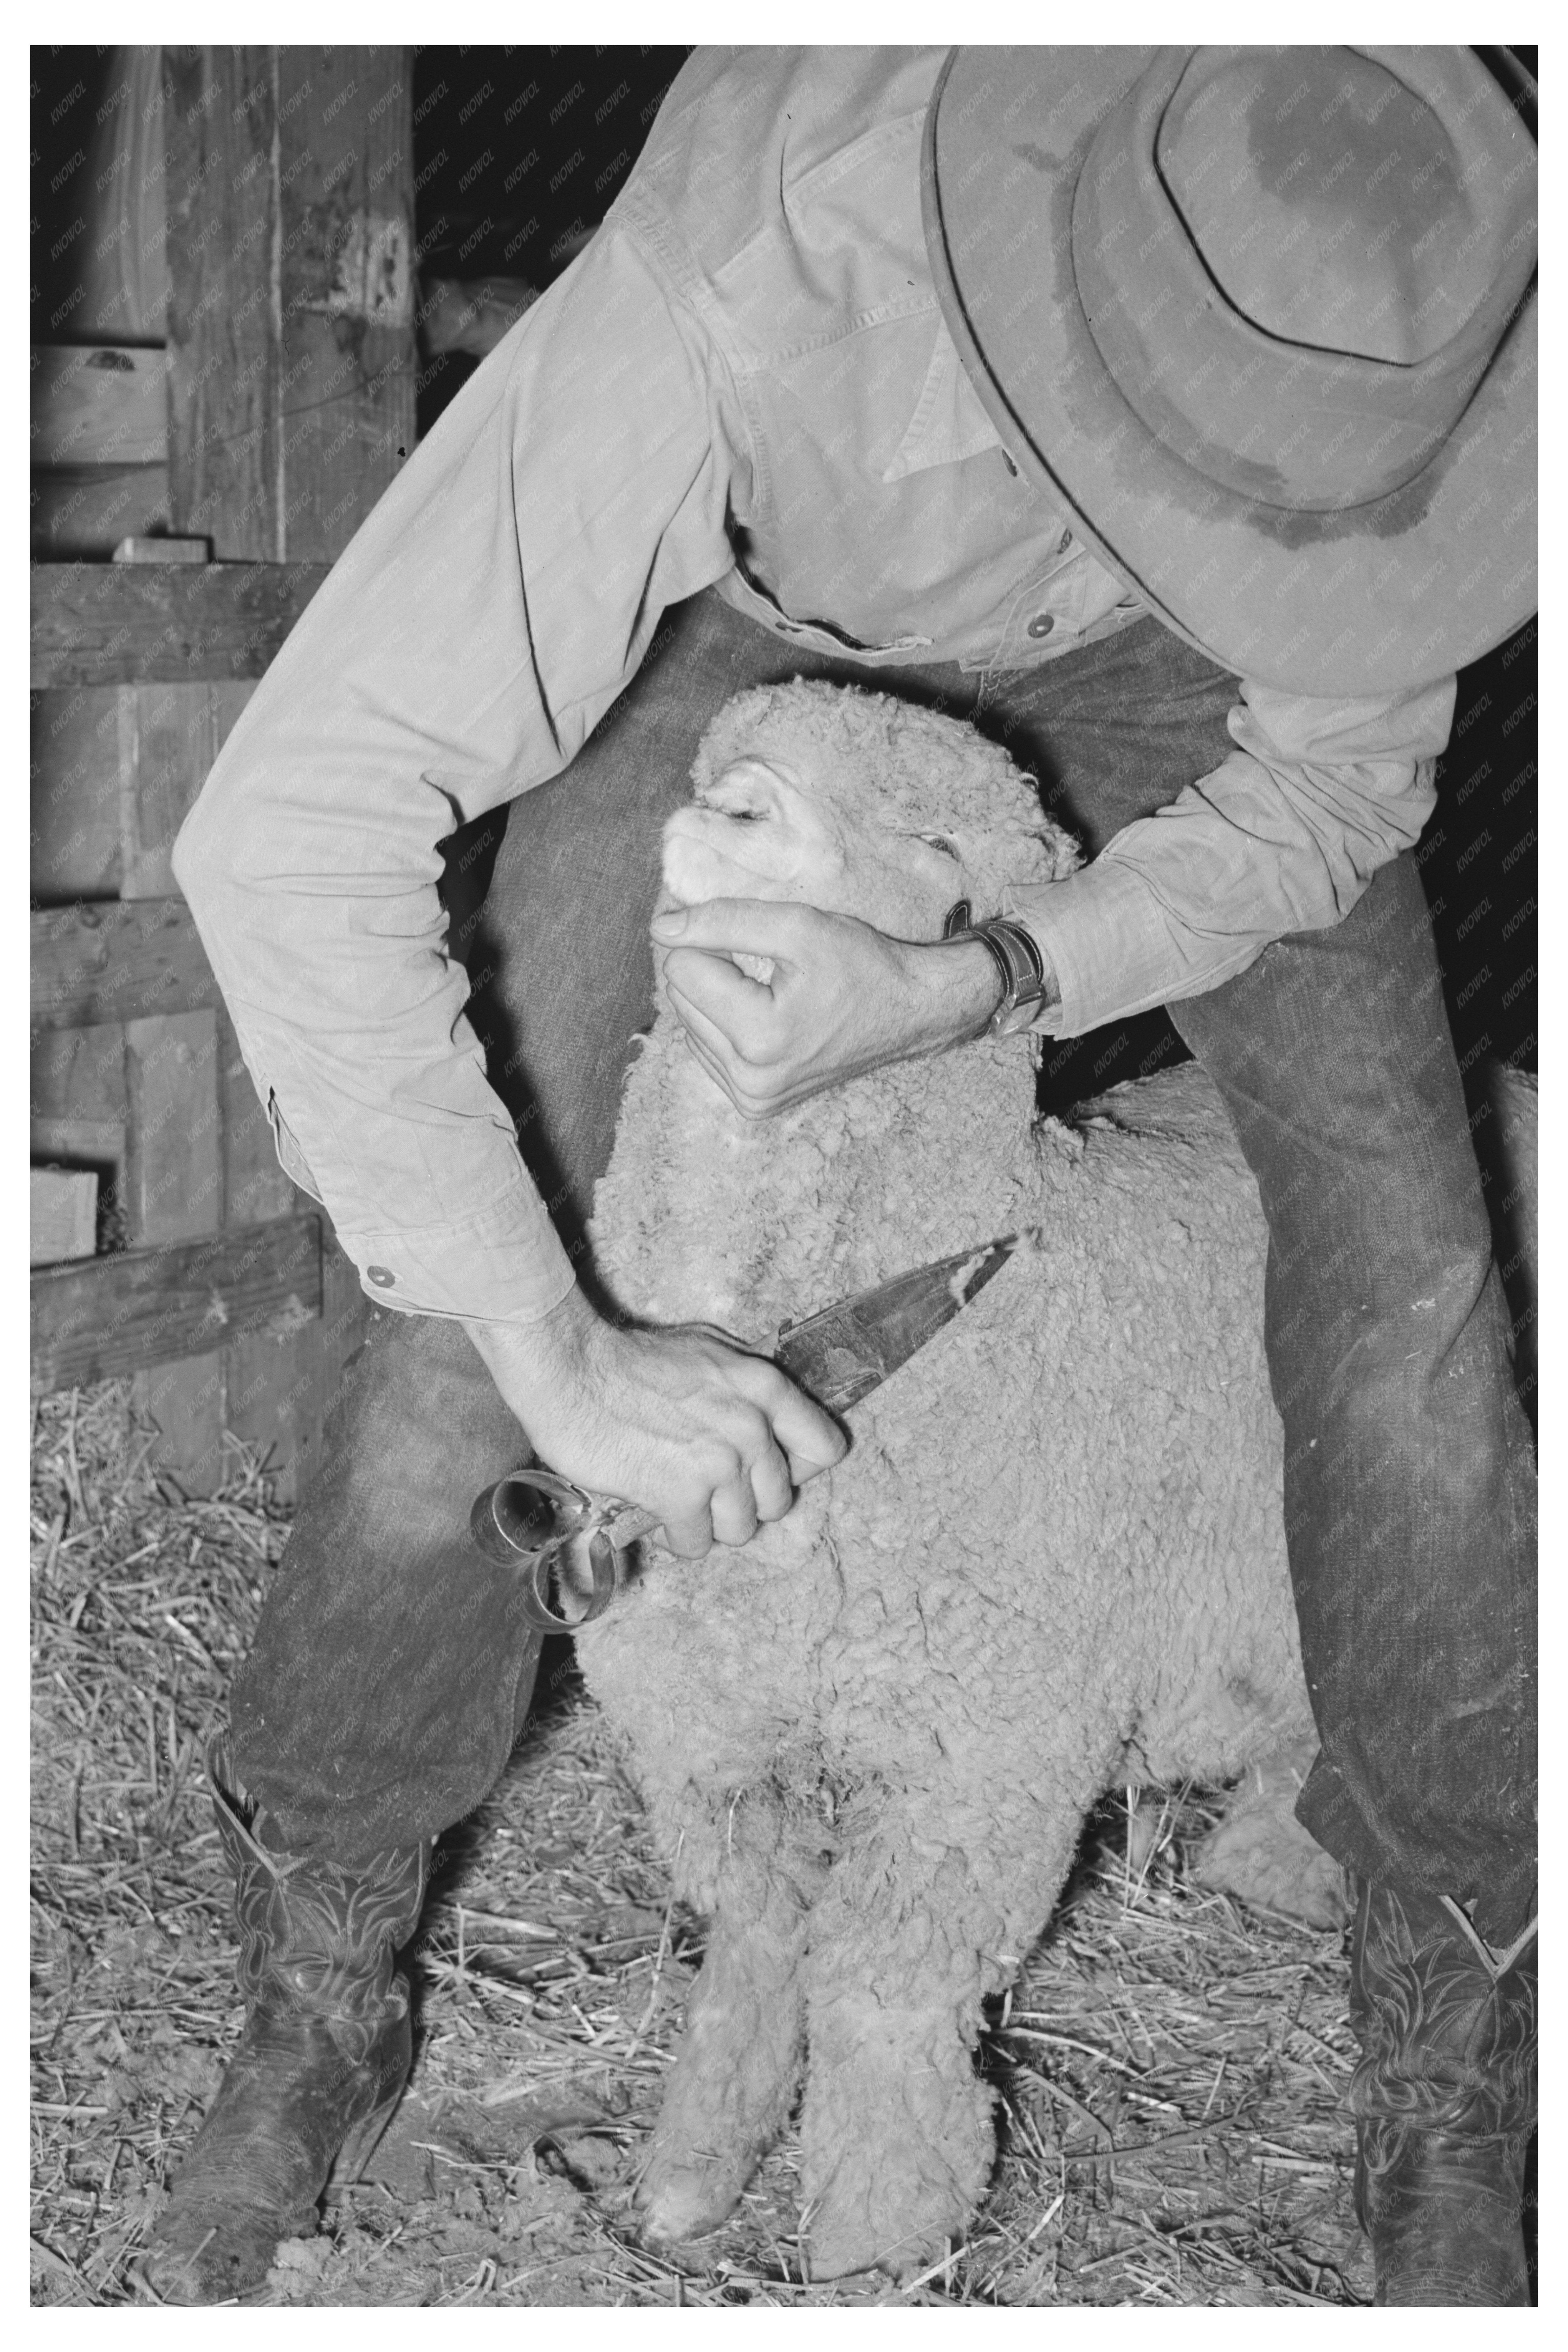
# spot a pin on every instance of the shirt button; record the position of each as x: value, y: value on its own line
x: 1064, y: 543
x: 382, y: 1276
x: 1042, y: 624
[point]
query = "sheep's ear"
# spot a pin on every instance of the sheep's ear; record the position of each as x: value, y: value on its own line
x: 1062, y: 850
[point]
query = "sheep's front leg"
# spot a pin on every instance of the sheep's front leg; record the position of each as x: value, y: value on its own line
x: 896, y: 2136
x: 735, y: 2073
x: 897, y: 2129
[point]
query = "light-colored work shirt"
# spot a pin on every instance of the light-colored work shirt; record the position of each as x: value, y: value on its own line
x: 743, y: 383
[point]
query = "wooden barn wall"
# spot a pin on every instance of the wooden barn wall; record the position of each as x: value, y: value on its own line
x: 279, y: 407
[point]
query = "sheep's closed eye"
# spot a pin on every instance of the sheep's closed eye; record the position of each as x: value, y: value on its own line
x: 737, y: 798
x: 940, y: 841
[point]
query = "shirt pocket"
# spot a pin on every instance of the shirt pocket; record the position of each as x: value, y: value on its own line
x: 291, y: 1158
x: 949, y: 422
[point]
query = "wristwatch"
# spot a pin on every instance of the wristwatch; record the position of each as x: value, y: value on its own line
x: 1026, y: 985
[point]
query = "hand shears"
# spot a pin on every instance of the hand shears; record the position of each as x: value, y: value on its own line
x: 839, y: 1356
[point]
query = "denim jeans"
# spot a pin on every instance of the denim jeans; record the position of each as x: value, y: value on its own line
x: 391, y: 1665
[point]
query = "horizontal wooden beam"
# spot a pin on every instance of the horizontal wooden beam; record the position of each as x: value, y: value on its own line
x: 163, y: 624
x: 116, y: 961
x: 101, y: 405
x: 117, y: 1314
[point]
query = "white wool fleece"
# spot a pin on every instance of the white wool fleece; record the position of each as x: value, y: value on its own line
x: 1053, y: 1560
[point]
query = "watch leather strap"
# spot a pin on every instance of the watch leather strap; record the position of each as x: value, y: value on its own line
x: 1020, y: 967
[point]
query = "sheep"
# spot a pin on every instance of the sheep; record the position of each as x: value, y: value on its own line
x: 1051, y: 1564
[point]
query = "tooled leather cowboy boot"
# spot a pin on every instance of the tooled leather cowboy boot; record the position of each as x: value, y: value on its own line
x: 1444, y: 2099
x: 319, y: 2067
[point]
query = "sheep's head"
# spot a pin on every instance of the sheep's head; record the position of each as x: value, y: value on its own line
x: 860, y: 805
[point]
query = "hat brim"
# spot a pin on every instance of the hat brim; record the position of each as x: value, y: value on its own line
x: 1364, y: 600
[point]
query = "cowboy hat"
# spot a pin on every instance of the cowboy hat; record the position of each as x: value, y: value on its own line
x: 1266, y: 320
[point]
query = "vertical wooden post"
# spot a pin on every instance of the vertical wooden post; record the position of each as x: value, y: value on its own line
x: 225, y: 329
x: 291, y: 392
x: 172, y: 1166
x: 346, y: 263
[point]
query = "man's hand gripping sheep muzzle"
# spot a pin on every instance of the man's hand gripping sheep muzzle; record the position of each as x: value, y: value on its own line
x: 783, y: 992
x: 841, y: 999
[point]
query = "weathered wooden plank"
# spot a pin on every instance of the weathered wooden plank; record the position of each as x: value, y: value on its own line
x: 348, y: 356
x: 79, y: 1073
x: 292, y: 409
x: 63, y: 1215
x: 113, y: 771
x: 113, y: 623
x: 168, y: 742
x: 105, y: 405
x: 112, y: 962
x: 98, y: 1144
x: 160, y: 547
x: 74, y: 838
x: 225, y: 331
x: 346, y: 178
x: 227, y: 467
x: 76, y: 1099
x: 346, y: 285
x: 85, y: 510
x: 173, y: 1177
x: 117, y: 1314
x: 173, y: 1162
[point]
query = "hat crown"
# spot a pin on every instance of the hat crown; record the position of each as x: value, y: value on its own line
x: 1328, y: 200
x: 1331, y: 510
x: 1298, y: 264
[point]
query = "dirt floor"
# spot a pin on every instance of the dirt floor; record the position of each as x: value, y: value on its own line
x: 1170, y: 2072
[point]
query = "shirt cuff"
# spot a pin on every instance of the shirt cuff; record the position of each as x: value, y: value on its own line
x: 1106, y: 934
x: 506, y: 1264
x: 503, y: 1263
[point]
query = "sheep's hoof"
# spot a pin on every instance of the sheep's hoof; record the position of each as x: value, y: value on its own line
x: 1261, y: 1854
x: 838, y: 2245
x: 1244, y: 1859
x: 680, y: 2200
x: 897, y: 2211
x: 898, y: 2139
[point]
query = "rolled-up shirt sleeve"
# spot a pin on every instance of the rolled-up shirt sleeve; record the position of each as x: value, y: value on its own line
x: 494, y: 604
x: 1283, y: 836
